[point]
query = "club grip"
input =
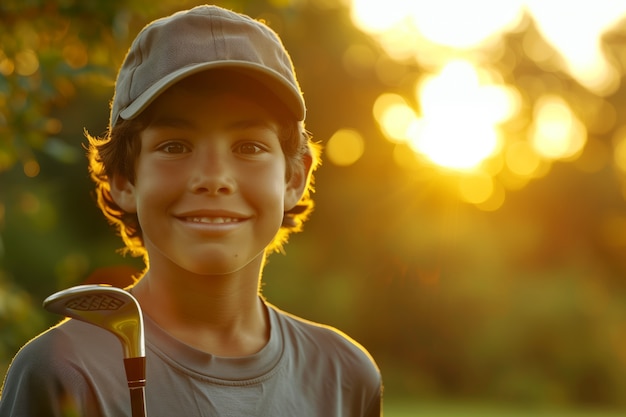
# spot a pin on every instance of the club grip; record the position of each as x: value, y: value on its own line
x: 135, y: 371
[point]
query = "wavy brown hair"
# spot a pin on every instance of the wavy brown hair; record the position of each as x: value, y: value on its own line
x: 117, y: 151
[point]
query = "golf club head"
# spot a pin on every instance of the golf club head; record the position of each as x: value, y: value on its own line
x: 109, y: 308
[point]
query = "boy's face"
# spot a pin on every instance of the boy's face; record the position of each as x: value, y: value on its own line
x: 210, y: 187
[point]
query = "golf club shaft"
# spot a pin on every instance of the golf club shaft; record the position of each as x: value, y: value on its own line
x: 136, y: 376
x: 138, y: 402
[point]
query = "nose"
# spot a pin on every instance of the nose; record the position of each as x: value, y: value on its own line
x: 212, y: 173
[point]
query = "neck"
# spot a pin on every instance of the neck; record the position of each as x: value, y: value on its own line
x: 223, y: 315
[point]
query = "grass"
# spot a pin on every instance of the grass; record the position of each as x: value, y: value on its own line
x: 405, y: 408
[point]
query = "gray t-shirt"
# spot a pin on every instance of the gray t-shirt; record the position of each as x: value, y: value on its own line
x: 306, y: 369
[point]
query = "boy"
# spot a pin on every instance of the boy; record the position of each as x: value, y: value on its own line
x: 205, y: 170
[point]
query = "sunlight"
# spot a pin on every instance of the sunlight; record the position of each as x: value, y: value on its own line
x: 476, y: 188
x: 394, y: 116
x: 464, y: 24
x: 455, y: 23
x: 414, y: 28
x: 462, y: 105
x: 576, y: 34
x: 556, y: 133
x: 458, y: 125
x: 344, y: 147
x: 459, y: 90
x: 371, y: 17
x: 521, y: 159
x: 574, y: 29
x: 619, y: 152
x: 460, y: 145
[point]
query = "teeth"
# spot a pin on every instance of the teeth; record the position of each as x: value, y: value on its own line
x: 214, y: 220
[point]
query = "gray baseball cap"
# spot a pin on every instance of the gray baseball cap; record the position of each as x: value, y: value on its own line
x: 205, y: 37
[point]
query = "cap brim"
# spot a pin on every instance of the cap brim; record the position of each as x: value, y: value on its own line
x: 274, y: 81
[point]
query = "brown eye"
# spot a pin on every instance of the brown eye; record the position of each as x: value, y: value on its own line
x: 249, y: 148
x: 174, y: 147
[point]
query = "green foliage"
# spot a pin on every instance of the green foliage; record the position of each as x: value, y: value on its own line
x: 19, y: 320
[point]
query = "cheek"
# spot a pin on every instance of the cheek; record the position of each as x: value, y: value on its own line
x: 157, y: 183
x: 155, y: 173
x: 268, y: 188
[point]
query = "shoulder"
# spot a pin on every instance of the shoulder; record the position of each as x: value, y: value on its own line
x: 56, y: 364
x: 333, y: 365
x: 325, y: 343
x: 42, y: 352
x: 68, y: 341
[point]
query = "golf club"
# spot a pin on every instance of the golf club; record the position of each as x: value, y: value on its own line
x: 117, y: 311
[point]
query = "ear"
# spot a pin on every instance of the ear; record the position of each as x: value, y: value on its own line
x: 123, y: 193
x: 296, y: 185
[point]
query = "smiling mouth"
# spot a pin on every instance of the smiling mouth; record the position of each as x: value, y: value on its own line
x: 212, y: 220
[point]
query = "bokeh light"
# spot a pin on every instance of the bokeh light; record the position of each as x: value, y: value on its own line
x: 577, y: 34
x: 31, y: 168
x: 556, y: 132
x: 447, y: 22
x: 7, y: 65
x: 26, y: 62
x: 619, y: 151
x: 345, y: 147
x: 460, y: 112
x: 521, y: 159
x: 395, y: 117
x: 476, y: 188
x: 463, y: 105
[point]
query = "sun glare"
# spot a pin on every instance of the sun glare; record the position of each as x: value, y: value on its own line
x: 556, y: 132
x: 575, y: 29
x: 461, y: 106
x: 373, y: 18
x: 464, y: 24
x: 457, y: 128
x: 462, y: 145
x: 455, y: 23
